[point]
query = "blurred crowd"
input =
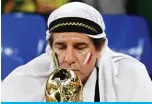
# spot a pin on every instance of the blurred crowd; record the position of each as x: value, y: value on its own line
x: 45, y: 7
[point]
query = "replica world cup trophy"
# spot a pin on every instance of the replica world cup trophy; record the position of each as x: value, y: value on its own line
x: 63, y: 85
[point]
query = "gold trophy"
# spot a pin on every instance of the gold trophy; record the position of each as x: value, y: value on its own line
x: 63, y: 85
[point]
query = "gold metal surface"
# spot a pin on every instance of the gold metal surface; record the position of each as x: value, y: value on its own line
x: 64, y: 85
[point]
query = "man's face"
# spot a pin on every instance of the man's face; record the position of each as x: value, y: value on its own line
x: 75, y: 51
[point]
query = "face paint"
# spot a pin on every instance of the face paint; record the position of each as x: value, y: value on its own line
x: 88, y: 58
x: 56, y: 60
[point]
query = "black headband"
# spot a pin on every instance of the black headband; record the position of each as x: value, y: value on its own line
x: 75, y: 24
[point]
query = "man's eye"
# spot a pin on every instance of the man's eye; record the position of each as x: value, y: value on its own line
x: 81, y: 48
x: 61, y: 47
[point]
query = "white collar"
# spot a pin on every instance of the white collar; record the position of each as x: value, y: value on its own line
x: 89, y: 87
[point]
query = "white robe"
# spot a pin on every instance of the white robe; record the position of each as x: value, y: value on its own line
x: 121, y: 78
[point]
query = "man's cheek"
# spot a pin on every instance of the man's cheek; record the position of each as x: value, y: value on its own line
x: 61, y: 58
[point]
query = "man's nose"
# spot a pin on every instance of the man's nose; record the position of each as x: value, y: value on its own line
x: 70, y: 56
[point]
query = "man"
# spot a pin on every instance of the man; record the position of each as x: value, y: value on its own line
x: 76, y: 33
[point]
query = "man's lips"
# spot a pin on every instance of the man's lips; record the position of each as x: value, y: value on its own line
x: 74, y: 70
x: 71, y: 69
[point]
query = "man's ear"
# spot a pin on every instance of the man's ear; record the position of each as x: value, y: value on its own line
x: 98, y: 52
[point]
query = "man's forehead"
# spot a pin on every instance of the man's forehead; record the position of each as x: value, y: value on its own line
x: 71, y: 36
